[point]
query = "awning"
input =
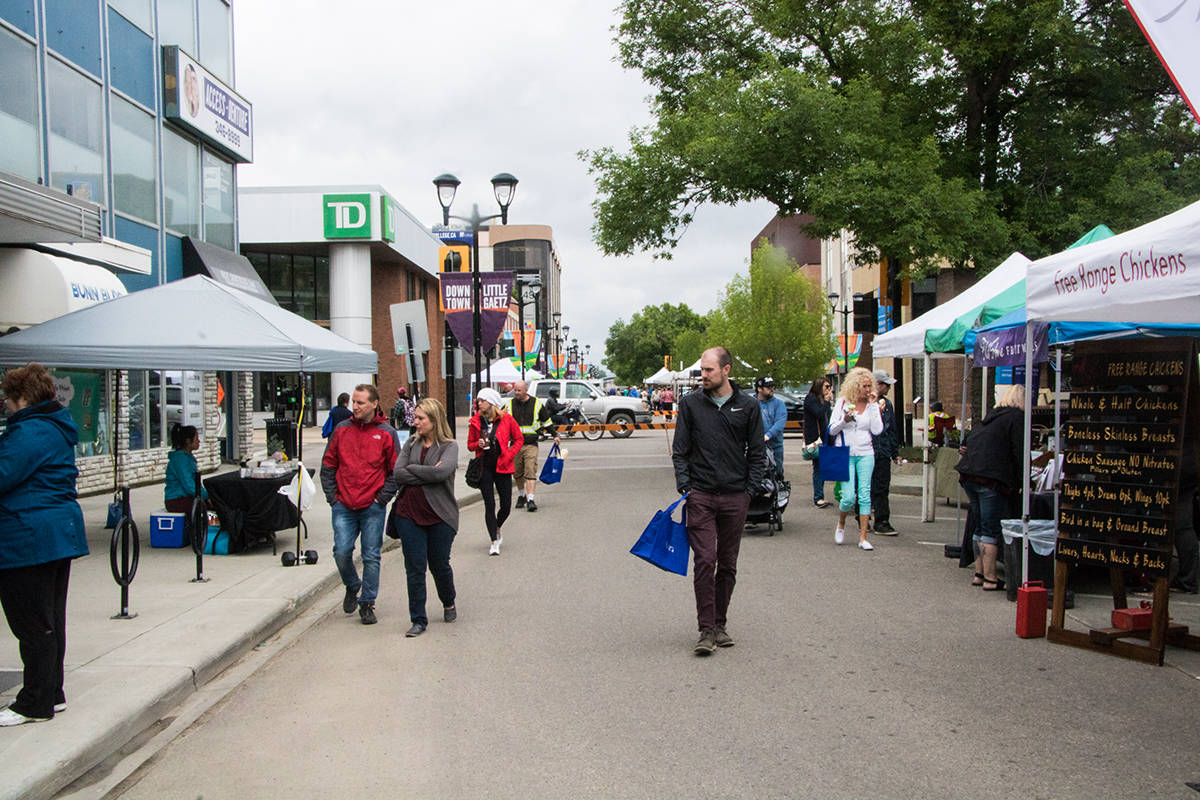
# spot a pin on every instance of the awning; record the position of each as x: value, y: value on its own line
x: 33, y: 213
x: 39, y: 286
x: 225, y: 267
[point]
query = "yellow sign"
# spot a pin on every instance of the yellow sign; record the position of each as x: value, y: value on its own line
x: 454, y: 258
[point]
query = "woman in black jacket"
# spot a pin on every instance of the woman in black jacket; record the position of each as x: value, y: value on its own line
x: 817, y: 406
x: 990, y: 474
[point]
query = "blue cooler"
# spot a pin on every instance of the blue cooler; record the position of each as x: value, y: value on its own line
x: 168, y: 530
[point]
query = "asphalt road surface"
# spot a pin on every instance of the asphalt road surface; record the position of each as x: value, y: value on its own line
x: 570, y: 674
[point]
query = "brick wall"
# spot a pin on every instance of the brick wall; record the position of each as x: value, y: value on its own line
x: 388, y: 286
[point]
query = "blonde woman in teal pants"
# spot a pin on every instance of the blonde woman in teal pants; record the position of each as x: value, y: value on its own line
x: 856, y: 418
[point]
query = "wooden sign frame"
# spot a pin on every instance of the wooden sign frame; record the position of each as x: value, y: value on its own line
x: 1122, y: 461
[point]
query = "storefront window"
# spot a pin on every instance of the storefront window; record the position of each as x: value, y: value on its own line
x: 18, y: 107
x: 214, y: 39
x: 136, y: 11
x: 218, y: 200
x: 281, y: 280
x: 303, y: 286
x: 321, y: 273
x: 76, y: 132
x: 181, y: 184
x: 133, y: 161
x: 177, y: 24
x: 136, y: 424
x: 85, y: 394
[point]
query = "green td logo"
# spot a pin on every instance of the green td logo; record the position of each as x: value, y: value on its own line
x: 347, y: 216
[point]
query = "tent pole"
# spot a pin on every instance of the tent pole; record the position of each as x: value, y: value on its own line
x: 1025, y: 464
x: 927, y: 499
x: 967, y: 362
x: 1058, y: 448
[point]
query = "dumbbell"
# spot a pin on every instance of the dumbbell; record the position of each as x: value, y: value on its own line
x: 290, y: 559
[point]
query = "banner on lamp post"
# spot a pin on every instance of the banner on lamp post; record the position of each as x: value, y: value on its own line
x: 456, y: 302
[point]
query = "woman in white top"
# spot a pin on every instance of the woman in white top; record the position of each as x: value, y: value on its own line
x: 856, y: 418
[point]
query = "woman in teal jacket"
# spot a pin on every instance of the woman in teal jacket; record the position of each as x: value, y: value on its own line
x: 41, y: 530
x: 179, y: 488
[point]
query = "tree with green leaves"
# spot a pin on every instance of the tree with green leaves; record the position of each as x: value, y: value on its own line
x: 775, y: 319
x: 635, y: 350
x: 932, y: 130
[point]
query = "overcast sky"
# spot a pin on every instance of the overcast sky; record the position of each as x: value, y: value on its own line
x: 394, y: 93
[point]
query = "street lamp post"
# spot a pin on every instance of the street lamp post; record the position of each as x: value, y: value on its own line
x: 504, y: 186
x: 557, y: 315
x: 534, y: 286
x: 845, y: 311
x: 561, y: 343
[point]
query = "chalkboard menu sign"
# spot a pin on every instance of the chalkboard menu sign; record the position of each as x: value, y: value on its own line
x: 1123, y: 443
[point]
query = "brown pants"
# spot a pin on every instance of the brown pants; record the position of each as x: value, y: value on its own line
x: 715, y: 523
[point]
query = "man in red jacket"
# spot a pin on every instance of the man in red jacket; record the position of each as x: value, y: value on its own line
x: 356, y: 474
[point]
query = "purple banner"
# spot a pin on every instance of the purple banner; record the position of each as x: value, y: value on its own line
x: 456, y: 303
x: 1006, y: 347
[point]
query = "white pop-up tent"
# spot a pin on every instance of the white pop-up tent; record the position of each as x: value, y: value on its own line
x: 191, y: 324
x: 502, y: 370
x: 663, y: 377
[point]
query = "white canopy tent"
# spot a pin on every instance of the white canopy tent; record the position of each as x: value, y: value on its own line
x: 503, y: 371
x: 908, y: 341
x: 663, y: 377
x: 191, y: 324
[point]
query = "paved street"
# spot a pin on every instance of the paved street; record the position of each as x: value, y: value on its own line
x: 570, y: 674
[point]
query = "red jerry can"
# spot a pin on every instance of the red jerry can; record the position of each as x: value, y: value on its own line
x: 1031, y: 610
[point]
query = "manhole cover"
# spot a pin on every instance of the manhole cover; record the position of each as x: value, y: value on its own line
x: 10, y: 679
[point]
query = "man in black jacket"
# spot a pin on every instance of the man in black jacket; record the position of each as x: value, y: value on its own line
x: 720, y: 460
x: 887, y: 451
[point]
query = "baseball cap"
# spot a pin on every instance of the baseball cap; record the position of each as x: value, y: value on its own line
x: 881, y: 376
x: 765, y: 380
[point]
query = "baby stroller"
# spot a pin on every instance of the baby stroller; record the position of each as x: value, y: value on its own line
x: 768, y: 503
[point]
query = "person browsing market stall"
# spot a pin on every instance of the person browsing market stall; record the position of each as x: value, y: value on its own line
x: 855, y: 421
x: 532, y: 416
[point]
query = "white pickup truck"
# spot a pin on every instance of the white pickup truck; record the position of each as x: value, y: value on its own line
x: 595, y: 403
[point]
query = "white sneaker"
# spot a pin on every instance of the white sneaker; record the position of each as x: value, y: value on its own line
x: 494, y: 550
x: 865, y: 545
x: 59, y: 708
x: 839, y: 535
x: 8, y: 718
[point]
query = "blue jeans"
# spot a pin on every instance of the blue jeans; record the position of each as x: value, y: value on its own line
x: 777, y: 451
x: 348, y: 524
x: 989, y: 506
x: 426, y: 547
x: 859, y: 485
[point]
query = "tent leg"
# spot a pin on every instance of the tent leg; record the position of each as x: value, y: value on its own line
x: 1025, y: 465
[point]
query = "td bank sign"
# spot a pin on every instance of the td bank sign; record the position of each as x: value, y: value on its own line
x: 347, y: 216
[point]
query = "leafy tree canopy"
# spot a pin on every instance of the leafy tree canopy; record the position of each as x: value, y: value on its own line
x: 930, y: 129
x: 775, y: 319
x: 635, y: 350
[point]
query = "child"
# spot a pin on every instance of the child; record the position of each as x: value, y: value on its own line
x: 180, y: 487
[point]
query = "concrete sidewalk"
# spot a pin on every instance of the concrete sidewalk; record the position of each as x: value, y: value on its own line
x: 125, y: 675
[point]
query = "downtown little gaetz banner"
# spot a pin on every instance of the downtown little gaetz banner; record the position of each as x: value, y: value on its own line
x: 456, y: 302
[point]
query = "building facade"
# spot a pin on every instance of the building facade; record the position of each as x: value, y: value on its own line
x: 121, y: 135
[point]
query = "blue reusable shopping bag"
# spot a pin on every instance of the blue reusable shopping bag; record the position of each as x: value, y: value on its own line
x: 552, y: 470
x: 834, y: 460
x: 664, y: 543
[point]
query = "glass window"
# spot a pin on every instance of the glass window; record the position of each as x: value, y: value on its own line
x: 181, y: 184
x: 218, y: 200
x: 321, y: 272
x: 137, y: 410
x: 138, y: 12
x: 304, y: 286
x: 281, y: 280
x: 177, y: 24
x: 20, y: 13
x: 73, y: 31
x: 214, y: 39
x: 261, y: 264
x: 19, y: 127
x: 76, y: 132
x: 133, y: 161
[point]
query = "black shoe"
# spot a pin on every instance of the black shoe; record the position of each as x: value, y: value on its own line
x: 350, y: 600
x: 449, y: 613
x: 366, y: 611
x: 531, y: 506
x: 416, y: 630
x: 521, y: 501
x: 721, y: 638
x: 885, y: 528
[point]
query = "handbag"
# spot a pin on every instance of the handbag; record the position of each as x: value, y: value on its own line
x: 809, y: 452
x: 552, y: 470
x: 327, y: 428
x: 217, y: 541
x: 664, y: 543
x: 834, y: 460
x: 474, y: 474
x: 114, y: 515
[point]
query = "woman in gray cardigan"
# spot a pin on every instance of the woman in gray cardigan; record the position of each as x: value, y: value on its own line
x: 425, y: 515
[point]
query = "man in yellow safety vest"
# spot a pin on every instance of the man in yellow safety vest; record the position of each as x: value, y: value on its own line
x: 532, y: 416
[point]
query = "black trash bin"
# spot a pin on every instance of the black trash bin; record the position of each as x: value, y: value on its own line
x: 1041, y: 568
x: 281, y: 437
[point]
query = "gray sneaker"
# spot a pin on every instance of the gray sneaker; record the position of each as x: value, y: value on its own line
x: 721, y: 638
x: 706, y: 643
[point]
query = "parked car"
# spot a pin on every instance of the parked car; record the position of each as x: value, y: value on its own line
x: 612, y: 409
x: 795, y: 411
